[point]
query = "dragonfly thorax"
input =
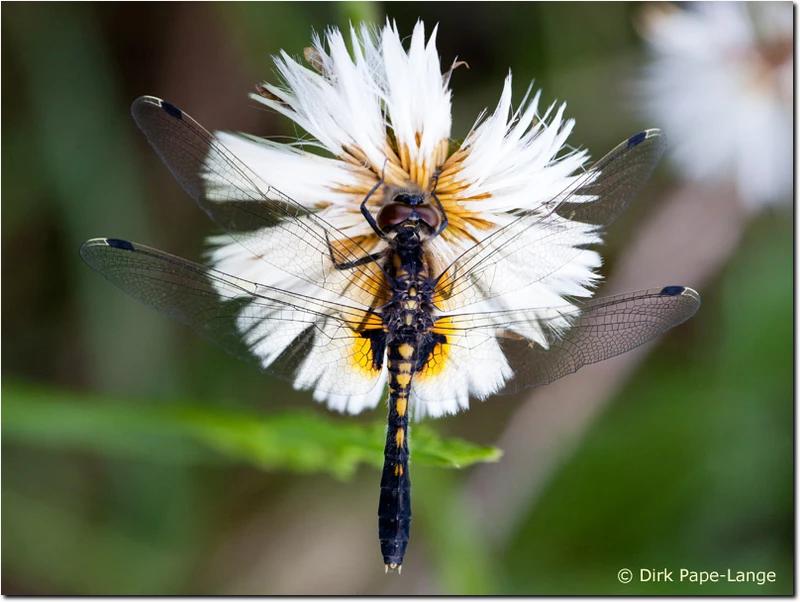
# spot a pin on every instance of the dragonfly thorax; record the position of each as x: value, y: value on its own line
x: 407, y: 269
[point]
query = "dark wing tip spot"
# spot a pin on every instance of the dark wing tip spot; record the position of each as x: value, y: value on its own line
x: 172, y: 109
x: 119, y: 244
x: 672, y: 291
x: 636, y: 139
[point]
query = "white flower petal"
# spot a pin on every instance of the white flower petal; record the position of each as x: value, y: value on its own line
x: 512, y: 158
x: 340, y: 108
x: 417, y: 96
x: 308, y: 179
x: 350, y: 403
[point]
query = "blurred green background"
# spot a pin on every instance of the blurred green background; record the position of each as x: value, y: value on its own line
x: 134, y: 459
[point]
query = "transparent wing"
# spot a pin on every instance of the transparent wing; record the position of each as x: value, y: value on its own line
x: 312, y: 343
x: 541, y: 242
x: 272, y: 226
x: 542, y: 345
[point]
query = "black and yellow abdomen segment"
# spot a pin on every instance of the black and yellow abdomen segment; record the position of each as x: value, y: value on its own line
x: 394, y: 509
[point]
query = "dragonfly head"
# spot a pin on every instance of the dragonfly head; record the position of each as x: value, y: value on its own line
x: 408, y: 211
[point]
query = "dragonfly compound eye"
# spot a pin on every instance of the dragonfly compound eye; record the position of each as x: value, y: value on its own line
x: 394, y: 214
x: 430, y: 216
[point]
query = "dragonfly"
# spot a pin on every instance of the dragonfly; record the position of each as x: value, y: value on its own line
x: 379, y: 316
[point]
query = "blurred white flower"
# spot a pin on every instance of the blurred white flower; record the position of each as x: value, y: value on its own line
x: 384, y: 110
x: 720, y: 85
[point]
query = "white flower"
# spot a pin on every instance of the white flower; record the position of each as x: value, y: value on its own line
x: 385, y: 110
x: 720, y: 85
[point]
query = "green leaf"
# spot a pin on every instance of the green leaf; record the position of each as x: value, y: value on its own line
x: 299, y: 441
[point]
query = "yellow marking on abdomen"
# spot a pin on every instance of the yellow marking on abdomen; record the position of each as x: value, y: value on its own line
x: 403, y: 379
x: 400, y: 437
x: 401, y: 404
x: 398, y: 470
x: 406, y: 351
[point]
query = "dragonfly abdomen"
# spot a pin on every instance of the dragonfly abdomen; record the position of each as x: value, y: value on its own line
x: 394, y: 508
x: 408, y: 321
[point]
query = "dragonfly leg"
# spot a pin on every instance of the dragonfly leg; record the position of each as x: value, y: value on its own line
x: 365, y: 212
x: 443, y: 225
